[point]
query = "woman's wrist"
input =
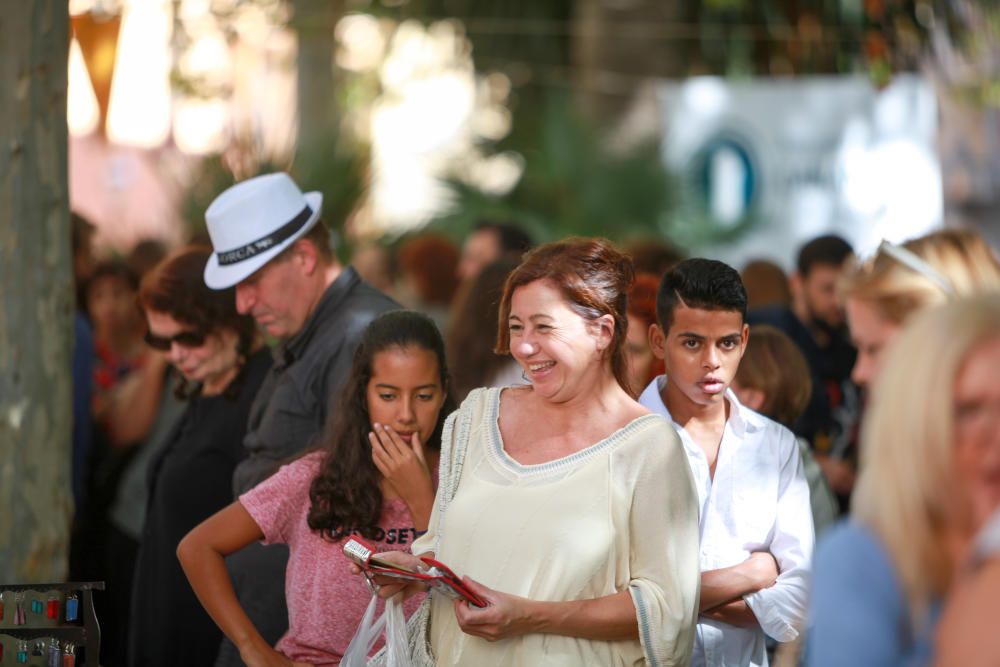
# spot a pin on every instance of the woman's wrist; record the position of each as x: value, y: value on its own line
x: 420, y: 510
x: 537, y: 617
x: 249, y: 639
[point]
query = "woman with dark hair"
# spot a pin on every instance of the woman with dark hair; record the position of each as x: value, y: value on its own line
x: 221, y: 363
x: 373, y: 478
x: 569, y: 506
x: 471, y: 330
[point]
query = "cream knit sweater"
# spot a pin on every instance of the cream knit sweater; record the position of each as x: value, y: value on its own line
x: 619, y: 515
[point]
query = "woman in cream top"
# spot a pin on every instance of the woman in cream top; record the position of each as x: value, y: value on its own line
x: 567, y: 505
x: 609, y: 518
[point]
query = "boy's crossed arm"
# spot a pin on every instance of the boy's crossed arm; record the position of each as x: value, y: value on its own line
x: 722, y: 590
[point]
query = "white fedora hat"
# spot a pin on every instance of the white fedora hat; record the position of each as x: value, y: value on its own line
x: 252, y: 222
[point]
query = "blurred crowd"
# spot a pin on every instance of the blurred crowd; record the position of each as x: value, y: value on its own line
x: 880, y: 369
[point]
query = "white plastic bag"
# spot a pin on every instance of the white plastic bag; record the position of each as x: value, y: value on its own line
x: 396, y: 645
x: 392, y: 623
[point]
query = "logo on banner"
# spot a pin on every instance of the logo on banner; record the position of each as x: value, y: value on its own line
x: 726, y: 177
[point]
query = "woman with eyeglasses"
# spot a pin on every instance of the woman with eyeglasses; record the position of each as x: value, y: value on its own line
x: 901, y: 280
x: 221, y: 362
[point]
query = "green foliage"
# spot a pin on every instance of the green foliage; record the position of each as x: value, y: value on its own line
x: 338, y: 168
x: 332, y: 165
x: 210, y: 177
x: 575, y: 183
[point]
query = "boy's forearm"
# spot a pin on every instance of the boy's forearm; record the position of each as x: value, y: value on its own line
x: 736, y: 613
x: 730, y: 583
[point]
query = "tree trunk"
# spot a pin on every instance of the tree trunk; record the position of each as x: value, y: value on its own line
x: 314, y: 22
x: 36, y: 297
x: 620, y: 44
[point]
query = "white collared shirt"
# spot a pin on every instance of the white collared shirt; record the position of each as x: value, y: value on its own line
x: 758, y: 501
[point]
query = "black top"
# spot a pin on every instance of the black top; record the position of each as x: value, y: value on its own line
x: 831, y: 419
x: 293, y: 403
x: 190, y: 481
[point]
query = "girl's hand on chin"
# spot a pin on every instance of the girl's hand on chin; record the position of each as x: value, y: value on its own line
x: 402, y: 464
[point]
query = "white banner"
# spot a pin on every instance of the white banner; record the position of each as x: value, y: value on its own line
x: 809, y: 156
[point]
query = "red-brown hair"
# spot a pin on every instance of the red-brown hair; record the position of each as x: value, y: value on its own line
x: 642, y: 298
x: 593, y: 277
x: 642, y: 305
x: 431, y: 260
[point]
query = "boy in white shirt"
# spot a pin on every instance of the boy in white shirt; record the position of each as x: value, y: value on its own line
x: 756, y: 525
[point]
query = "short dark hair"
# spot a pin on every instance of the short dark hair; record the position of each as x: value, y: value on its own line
x: 513, y: 240
x: 829, y: 250
x: 701, y: 283
x: 319, y: 236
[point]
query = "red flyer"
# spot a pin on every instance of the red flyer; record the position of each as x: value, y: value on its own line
x: 438, y: 575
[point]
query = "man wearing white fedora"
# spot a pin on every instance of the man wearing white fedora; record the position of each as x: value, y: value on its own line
x: 269, y: 242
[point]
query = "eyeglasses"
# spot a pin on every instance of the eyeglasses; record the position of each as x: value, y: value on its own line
x: 911, y: 261
x: 184, y: 339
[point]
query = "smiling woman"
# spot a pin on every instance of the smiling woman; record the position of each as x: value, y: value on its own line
x: 566, y: 503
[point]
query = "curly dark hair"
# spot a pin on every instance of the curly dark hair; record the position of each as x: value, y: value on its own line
x: 176, y: 287
x: 345, y: 496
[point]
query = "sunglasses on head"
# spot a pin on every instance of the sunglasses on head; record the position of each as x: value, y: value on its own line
x: 911, y: 261
x: 184, y: 339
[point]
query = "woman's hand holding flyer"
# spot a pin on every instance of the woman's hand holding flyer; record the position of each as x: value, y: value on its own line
x: 428, y: 571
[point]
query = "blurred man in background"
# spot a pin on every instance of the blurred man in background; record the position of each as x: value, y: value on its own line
x: 816, y: 323
x: 489, y: 241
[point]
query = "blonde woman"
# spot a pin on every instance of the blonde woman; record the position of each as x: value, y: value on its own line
x: 903, y: 279
x: 929, y: 479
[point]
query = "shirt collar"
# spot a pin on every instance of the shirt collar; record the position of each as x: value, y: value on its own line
x: 741, y: 418
x: 294, y: 347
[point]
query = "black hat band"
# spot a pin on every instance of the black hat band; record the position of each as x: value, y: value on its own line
x: 237, y: 255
